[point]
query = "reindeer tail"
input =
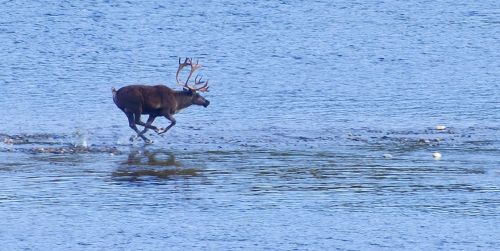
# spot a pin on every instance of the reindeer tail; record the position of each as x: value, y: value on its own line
x: 113, y: 90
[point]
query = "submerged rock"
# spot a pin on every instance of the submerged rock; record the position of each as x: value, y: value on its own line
x: 75, y: 150
x: 14, y: 140
x: 387, y: 156
x: 424, y: 141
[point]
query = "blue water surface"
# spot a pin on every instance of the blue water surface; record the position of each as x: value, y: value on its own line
x: 319, y: 135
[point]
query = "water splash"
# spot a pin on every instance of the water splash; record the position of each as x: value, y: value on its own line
x: 81, y: 138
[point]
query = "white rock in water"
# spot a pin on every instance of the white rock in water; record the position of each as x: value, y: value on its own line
x: 440, y: 127
x: 436, y: 155
x: 387, y: 156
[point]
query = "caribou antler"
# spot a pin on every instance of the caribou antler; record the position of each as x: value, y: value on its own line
x: 194, y: 67
x: 187, y: 62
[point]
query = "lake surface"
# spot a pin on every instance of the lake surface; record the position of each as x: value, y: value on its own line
x: 319, y: 135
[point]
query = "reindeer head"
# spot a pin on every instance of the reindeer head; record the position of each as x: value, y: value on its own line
x: 192, y: 90
x: 196, y: 98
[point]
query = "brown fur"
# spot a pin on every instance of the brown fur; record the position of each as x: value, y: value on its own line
x: 158, y: 100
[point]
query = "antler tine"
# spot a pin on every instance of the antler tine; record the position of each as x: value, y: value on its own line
x: 198, y: 81
x: 187, y: 62
x: 204, y: 88
x: 194, y: 67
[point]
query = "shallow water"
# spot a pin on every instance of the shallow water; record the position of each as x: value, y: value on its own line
x: 319, y: 134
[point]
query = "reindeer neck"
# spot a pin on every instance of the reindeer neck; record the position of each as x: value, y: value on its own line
x: 183, y: 100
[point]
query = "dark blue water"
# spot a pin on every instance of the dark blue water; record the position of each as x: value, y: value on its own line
x: 319, y: 135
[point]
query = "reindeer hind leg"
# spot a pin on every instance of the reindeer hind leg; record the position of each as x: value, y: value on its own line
x: 148, y: 124
x: 132, y: 121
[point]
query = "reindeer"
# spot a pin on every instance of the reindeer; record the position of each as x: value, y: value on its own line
x: 159, y: 100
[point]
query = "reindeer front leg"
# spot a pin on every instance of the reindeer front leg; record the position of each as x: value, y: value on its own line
x: 173, y: 122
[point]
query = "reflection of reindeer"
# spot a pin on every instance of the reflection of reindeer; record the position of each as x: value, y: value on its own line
x: 159, y: 100
x: 156, y: 167
x: 135, y: 158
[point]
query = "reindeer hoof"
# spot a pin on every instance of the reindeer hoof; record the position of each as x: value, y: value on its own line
x: 149, y: 142
x: 159, y: 130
